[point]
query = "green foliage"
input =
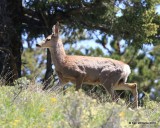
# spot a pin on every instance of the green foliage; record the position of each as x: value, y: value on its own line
x: 22, y: 82
x: 36, y: 108
x: 32, y: 63
x: 146, y: 70
x: 137, y: 21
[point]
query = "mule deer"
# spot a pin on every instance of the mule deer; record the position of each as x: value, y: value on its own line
x: 110, y: 73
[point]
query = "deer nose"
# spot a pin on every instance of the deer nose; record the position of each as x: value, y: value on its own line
x: 38, y: 45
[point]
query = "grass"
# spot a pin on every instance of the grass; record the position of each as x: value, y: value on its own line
x: 33, y: 108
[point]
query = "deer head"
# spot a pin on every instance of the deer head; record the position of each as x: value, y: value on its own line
x: 49, y: 41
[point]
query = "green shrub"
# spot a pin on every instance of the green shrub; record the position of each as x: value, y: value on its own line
x: 33, y: 108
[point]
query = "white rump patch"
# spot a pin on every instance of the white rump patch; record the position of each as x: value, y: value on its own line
x: 127, y: 71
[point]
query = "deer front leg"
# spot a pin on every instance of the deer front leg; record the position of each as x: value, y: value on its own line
x: 79, y: 82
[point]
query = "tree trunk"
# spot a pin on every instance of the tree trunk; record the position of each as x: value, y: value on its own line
x: 49, y: 71
x: 10, y: 39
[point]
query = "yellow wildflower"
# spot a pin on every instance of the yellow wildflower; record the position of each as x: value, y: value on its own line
x: 15, y: 122
x: 49, y: 126
x: 53, y: 100
x: 121, y: 114
x: 94, y: 101
x: 93, y: 111
x: 42, y: 109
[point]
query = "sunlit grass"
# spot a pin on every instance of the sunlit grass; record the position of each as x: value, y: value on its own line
x: 34, y: 108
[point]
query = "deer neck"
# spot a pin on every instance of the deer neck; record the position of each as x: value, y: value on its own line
x: 58, y: 54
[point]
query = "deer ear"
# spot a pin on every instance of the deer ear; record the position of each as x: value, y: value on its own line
x: 55, y: 29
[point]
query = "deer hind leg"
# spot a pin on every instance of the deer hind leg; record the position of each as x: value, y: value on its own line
x: 109, y: 88
x: 108, y: 81
x: 111, y: 92
x: 129, y: 86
